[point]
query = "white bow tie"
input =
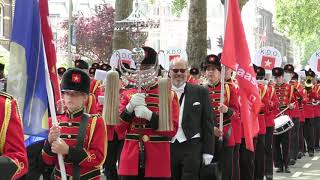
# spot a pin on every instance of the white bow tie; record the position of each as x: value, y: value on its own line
x: 178, y: 90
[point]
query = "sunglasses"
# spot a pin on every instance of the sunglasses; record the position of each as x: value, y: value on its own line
x: 177, y: 70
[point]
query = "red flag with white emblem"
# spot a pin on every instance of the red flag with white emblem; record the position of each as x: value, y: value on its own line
x: 236, y: 56
x: 268, y: 62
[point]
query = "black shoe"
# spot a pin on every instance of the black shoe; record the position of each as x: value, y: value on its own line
x: 287, y: 170
x: 280, y: 170
x: 299, y: 155
x: 311, y: 154
x: 269, y: 177
x: 292, y: 162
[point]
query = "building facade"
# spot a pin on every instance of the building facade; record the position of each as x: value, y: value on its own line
x: 6, y: 14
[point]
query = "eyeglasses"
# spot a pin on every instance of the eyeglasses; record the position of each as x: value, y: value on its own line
x: 177, y: 70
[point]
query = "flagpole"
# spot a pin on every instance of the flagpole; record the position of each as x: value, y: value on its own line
x: 223, y: 72
x: 53, y: 113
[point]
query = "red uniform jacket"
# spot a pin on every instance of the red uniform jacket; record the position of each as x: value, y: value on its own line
x: 236, y: 120
x: 93, y: 154
x: 192, y: 80
x: 309, y: 98
x: 295, y: 113
x: 317, y: 107
x: 156, y: 143
x: 13, y: 156
x: 285, y: 94
x: 265, y: 98
x: 231, y: 100
x: 273, y: 107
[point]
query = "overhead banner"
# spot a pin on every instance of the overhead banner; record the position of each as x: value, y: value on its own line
x: 314, y: 62
x: 268, y: 58
x: 125, y: 56
x: 167, y: 55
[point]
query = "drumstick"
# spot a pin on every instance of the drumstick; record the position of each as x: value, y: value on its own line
x: 284, y: 110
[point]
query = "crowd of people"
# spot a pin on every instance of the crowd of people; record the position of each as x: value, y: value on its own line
x: 194, y: 148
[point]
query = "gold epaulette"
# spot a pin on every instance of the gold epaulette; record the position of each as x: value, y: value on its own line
x: 6, y: 95
x: 95, y: 115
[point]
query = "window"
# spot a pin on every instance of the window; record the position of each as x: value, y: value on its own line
x: 1, y: 20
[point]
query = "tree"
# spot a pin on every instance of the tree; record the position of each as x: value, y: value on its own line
x: 299, y: 18
x: 94, y: 34
x: 197, y: 32
x: 120, y: 39
x: 177, y: 6
x: 310, y: 46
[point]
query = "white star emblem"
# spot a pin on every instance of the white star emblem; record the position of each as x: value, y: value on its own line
x: 267, y: 63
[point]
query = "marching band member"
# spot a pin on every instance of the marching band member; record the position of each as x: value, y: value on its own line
x: 230, y: 109
x: 146, y: 151
x: 294, y: 114
x: 286, y: 97
x: 260, y: 146
x: 83, y: 137
x: 13, y: 155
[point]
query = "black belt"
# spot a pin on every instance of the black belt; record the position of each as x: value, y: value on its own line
x: 68, y: 136
x: 225, y: 123
x: 283, y: 107
x: 89, y: 175
x: 141, y: 126
x: 146, y: 138
x: 69, y: 124
x: 261, y: 113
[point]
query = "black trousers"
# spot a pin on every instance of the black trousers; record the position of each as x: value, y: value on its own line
x: 36, y: 164
x: 259, y: 158
x: 186, y: 159
x: 294, y: 146
x: 309, y: 134
x: 236, y: 168
x: 302, y: 147
x: 268, y: 151
x: 246, y: 162
x: 113, y: 155
x: 316, y: 126
x: 281, y: 149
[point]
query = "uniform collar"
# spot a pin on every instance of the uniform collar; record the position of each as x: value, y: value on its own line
x: 75, y: 113
x: 214, y: 84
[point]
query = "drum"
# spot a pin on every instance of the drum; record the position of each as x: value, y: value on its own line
x: 282, y: 124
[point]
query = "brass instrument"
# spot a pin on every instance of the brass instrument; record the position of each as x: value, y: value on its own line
x: 308, y: 83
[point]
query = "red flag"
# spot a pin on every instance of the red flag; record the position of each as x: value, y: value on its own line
x: 172, y: 57
x: 236, y: 56
x: 268, y: 62
x: 49, y: 48
x: 318, y: 65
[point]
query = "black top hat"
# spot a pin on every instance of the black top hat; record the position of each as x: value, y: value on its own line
x: 1, y: 67
x: 81, y: 64
x: 295, y: 76
x: 95, y: 65
x: 194, y: 71
x: 105, y: 67
x: 92, y: 71
x: 61, y: 70
x: 75, y: 79
x: 260, y: 73
x: 213, y: 61
x: 288, y: 68
x: 310, y: 73
x: 277, y: 72
x: 150, y: 55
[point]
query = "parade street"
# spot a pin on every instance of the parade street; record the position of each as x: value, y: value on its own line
x: 305, y: 168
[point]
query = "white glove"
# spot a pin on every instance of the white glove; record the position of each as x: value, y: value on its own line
x: 143, y: 112
x: 207, y: 158
x: 136, y: 100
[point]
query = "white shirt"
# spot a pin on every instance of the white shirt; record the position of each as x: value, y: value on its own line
x: 180, y: 136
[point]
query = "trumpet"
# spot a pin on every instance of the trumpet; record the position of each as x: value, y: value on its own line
x: 308, y: 83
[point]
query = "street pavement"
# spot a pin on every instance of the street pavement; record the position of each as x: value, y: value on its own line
x: 305, y: 168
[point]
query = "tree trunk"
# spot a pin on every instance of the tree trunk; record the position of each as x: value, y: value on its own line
x: 197, y: 32
x: 120, y: 39
x: 242, y: 3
